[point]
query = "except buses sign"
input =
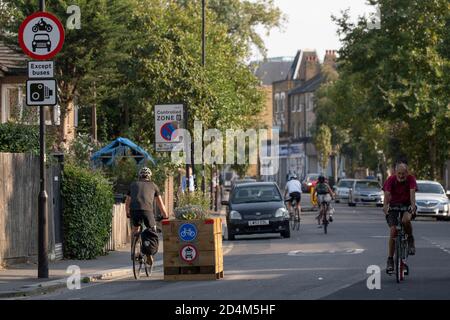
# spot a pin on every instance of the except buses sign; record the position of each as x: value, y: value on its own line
x: 168, y: 118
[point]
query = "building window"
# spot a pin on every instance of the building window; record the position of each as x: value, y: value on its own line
x: 14, y: 108
x: 310, y: 102
x: 277, y: 103
x: 283, y: 102
x: 300, y: 135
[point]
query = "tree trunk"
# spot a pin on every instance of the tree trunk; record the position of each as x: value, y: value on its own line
x: 433, y: 157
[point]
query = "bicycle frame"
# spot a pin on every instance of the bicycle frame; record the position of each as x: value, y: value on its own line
x: 401, y: 245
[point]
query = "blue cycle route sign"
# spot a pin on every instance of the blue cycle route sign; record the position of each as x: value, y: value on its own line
x: 187, y: 232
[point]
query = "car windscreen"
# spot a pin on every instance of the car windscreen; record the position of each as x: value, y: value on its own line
x: 345, y: 184
x: 228, y: 175
x: 41, y: 37
x: 429, y: 188
x: 249, y: 194
x: 367, y: 185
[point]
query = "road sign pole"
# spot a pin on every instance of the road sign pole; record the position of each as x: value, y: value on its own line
x: 42, y: 210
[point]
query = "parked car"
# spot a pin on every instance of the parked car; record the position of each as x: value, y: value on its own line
x: 309, y: 181
x: 365, y: 191
x: 256, y: 207
x: 431, y: 200
x: 342, y: 189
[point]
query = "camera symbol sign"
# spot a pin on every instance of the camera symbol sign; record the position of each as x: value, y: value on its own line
x: 41, y: 92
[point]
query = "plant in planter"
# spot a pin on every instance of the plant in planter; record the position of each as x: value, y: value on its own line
x: 192, y: 206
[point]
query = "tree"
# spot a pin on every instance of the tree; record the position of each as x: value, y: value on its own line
x: 399, y: 73
x: 323, y: 145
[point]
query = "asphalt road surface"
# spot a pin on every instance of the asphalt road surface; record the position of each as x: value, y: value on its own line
x: 309, y: 265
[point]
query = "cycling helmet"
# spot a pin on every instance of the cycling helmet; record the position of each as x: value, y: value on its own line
x: 294, y: 176
x: 321, y: 179
x: 145, y: 173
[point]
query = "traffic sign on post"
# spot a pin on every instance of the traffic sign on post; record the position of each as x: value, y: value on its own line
x: 41, y: 92
x: 168, y: 118
x: 41, y: 36
x: 41, y: 69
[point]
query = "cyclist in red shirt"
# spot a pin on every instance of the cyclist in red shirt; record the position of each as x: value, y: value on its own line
x: 400, y: 190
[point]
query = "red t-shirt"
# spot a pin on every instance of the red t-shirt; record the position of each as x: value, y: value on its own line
x: 400, y: 191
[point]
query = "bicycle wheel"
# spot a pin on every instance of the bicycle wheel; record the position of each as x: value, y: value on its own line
x: 292, y: 219
x: 137, y: 256
x: 398, y: 259
x: 325, y: 225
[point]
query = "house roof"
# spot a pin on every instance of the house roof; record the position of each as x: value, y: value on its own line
x: 273, y: 70
x: 309, y: 86
x: 12, y: 61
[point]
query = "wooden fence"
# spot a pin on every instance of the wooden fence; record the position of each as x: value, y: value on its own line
x: 19, y: 191
x: 120, y: 229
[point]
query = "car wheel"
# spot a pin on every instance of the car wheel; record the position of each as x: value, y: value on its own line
x: 231, y: 235
x: 336, y: 201
x: 286, y: 234
x: 379, y: 205
x: 350, y: 204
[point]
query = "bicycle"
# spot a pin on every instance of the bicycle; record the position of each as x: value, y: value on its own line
x: 401, y: 269
x: 294, y: 217
x: 323, y: 212
x: 139, y: 259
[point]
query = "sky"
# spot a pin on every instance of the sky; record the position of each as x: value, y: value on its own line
x: 309, y: 26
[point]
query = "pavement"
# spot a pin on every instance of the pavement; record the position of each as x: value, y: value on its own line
x: 21, y: 280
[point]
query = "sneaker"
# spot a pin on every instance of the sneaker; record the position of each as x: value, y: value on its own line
x: 411, y: 246
x: 330, y: 219
x: 390, y: 265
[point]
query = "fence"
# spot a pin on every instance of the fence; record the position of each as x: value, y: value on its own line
x: 120, y: 229
x: 19, y: 191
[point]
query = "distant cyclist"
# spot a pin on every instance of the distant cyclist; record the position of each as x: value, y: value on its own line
x: 294, y: 190
x: 140, y: 202
x: 400, y: 191
x: 324, y: 195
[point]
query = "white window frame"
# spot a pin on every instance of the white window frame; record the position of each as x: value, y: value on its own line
x: 4, y: 88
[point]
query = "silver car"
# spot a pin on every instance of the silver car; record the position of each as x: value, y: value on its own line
x: 431, y: 200
x: 366, y: 192
x: 342, y: 189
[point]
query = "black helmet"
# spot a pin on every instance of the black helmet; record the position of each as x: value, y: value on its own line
x: 321, y: 179
x: 294, y: 176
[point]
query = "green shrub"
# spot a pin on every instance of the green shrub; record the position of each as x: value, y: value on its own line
x: 87, y: 216
x: 18, y: 138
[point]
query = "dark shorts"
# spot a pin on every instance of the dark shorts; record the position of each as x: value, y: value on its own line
x: 392, y: 218
x: 141, y: 216
x: 297, y: 196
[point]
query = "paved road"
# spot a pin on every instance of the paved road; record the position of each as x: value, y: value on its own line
x: 309, y: 265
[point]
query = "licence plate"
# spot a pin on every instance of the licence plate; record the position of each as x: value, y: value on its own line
x: 258, y: 223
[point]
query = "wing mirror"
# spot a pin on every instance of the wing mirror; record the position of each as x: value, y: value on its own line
x: 448, y: 194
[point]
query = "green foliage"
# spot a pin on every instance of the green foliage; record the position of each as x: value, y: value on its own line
x: 392, y: 95
x: 88, y: 201
x: 323, y: 145
x: 122, y: 173
x: 80, y: 150
x: 191, y: 212
x: 18, y: 138
x: 196, y: 198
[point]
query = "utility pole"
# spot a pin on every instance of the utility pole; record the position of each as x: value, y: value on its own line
x: 42, y: 207
x: 203, y: 64
x: 94, y: 115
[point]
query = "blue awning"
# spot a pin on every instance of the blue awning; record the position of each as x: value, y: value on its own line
x: 121, y: 147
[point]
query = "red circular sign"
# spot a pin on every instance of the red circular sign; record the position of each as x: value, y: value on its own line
x: 188, y: 253
x: 41, y: 36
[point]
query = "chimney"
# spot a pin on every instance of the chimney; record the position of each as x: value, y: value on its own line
x: 312, y: 67
x: 330, y: 58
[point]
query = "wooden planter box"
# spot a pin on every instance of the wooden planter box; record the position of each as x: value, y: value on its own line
x: 193, y: 249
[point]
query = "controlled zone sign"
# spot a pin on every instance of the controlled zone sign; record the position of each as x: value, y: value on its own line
x: 41, y: 36
x: 168, y: 118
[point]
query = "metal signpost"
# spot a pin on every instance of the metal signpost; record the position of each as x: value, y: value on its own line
x: 41, y: 37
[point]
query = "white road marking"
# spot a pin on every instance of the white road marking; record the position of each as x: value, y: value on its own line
x: 437, y: 245
x: 323, y: 252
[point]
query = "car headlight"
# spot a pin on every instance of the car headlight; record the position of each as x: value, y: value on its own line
x: 282, y: 212
x: 234, y: 215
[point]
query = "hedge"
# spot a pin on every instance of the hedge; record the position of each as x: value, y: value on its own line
x: 18, y: 138
x: 87, y: 215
